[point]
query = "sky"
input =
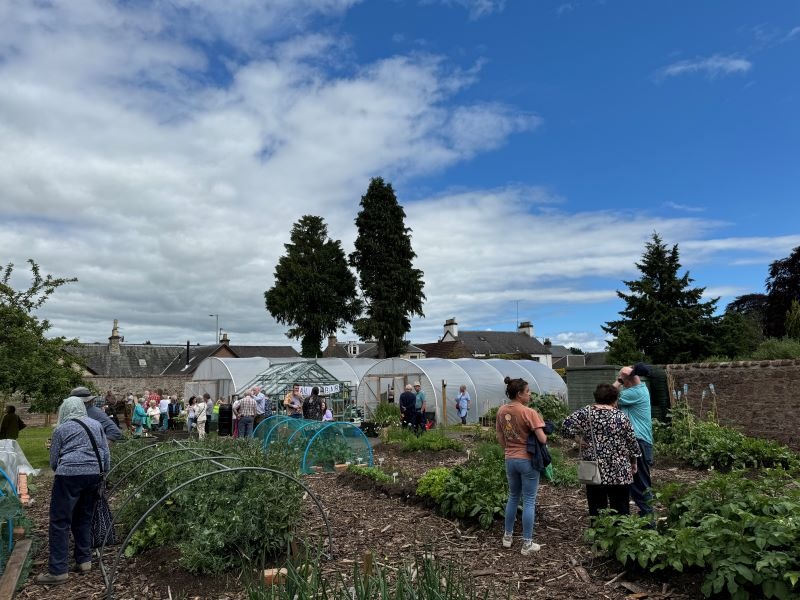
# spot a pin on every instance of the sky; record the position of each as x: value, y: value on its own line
x: 160, y: 151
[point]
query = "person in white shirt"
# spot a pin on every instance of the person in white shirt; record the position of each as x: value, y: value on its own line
x: 200, y: 415
x: 163, y: 408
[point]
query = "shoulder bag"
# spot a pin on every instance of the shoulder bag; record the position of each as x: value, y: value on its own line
x: 103, y: 533
x: 589, y: 470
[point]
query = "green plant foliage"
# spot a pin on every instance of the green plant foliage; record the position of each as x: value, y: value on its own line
x: 478, y: 489
x: 374, y: 473
x: 32, y: 364
x: 550, y: 407
x: 491, y: 415
x: 793, y: 321
x: 742, y: 532
x: 565, y: 472
x: 427, y: 578
x: 777, y: 349
x: 330, y: 450
x: 217, y: 523
x: 432, y: 483
x: 430, y: 441
x: 706, y: 444
x: 387, y: 414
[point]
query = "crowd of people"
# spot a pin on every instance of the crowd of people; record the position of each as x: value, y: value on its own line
x: 615, y: 433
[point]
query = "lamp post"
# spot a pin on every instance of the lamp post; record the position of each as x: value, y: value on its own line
x: 216, y: 327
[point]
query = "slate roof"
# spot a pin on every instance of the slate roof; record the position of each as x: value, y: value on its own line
x: 500, y: 342
x: 264, y: 351
x: 197, y: 354
x: 365, y: 350
x: 559, y: 351
x: 133, y: 360
x: 453, y: 349
x: 596, y: 358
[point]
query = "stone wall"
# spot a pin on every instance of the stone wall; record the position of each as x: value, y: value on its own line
x: 171, y: 384
x: 759, y: 398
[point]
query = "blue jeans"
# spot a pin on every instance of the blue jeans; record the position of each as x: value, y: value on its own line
x: 246, y: 427
x: 71, y: 509
x: 523, y: 480
x: 641, y: 491
x: 164, y: 421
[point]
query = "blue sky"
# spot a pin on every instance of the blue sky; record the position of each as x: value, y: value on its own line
x: 163, y: 150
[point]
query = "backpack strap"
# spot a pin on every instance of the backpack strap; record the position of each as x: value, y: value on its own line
x: 94, y: 444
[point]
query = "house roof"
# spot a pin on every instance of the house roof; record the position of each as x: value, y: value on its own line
x: 133, y: 360
x: 452, y: 349
x: 559, y: 351
x: 264, y: 351
x: 596, y: 358
x: 501, y: 342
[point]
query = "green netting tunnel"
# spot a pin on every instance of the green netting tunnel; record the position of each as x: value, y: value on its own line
x: 334, y: 443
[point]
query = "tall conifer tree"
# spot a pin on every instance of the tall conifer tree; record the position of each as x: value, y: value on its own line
x: 383, y: 257
x: 314, y: 290
x: 663, y: 313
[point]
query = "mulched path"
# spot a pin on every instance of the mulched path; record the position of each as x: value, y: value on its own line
x: 395, y: 529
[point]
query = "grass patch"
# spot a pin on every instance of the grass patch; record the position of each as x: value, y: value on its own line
x: 32, y: 440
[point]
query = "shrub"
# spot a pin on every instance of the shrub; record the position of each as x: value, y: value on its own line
x: 386, y: 414
x: 478, y: 489
x: 742, y: 532
x: 777, y: 349
x: 431, y: 484
x: 550, y: 407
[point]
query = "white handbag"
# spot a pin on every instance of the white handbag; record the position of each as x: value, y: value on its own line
x: 589, y: 470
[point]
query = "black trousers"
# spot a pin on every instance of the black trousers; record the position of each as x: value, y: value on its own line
x: 615, y: 497
x: 71, y: 509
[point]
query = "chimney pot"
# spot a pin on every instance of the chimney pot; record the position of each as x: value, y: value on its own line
x: 451, y: 327
x: 525, y: 327
x: 114, y: 340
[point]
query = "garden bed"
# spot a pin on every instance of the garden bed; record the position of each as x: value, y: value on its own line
x: 395, y: 527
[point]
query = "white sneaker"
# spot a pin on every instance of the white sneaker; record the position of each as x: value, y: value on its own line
x: 529, y: 547
x: 507, y: 540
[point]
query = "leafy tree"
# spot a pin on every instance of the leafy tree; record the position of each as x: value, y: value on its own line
x: 753, y: 306
x: 793, y: 321
x: 663, y: 313
x: 39, y: 368
x: 575, y: 350
x: 737, y: 335
x: 314, y: 290
x: 783, y: 286
x: 383, y: 257
x: 622, y: 350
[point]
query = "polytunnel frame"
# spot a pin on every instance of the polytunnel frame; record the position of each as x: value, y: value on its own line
x: 113, y: 574
x: 11, y: 520
x: 127, y: 474
x: 278, y: 419
x: 316, y: 435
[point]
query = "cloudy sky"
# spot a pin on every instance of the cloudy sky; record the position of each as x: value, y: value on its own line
x: 159, y: 151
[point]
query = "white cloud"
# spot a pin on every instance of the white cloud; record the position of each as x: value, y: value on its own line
x: 685, y: 207
x: 711, y: 67
x: 475, y: 8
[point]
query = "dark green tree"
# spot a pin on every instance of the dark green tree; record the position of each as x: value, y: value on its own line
x: 663, y: 313
x: 31, y: 364
x: 383, y: 257
x: 783, y: 286
x: 793, y: 321
x: 575, y: 350
x: 737, y: 335
x: 314, y: 290
x: 622, y: 350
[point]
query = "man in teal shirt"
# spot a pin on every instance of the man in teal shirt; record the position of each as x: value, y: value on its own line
x: 420, y: 407
x: 634, y: 401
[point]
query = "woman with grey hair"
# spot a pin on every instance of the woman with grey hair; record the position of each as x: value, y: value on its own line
x: 77, y: 444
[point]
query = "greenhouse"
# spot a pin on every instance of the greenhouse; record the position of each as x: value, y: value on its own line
x: 319, y: 445
x: 222, y: 377
x: 441, y: 378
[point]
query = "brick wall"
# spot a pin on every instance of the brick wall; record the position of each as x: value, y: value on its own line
x: 759, y: 398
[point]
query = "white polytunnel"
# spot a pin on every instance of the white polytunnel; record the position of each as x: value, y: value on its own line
x: 222, y: 377
x: 441, y: 376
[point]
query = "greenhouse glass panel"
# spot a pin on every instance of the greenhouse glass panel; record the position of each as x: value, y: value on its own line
x: 547, y: 380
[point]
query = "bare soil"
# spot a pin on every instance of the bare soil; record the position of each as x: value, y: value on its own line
x: 390, y: 522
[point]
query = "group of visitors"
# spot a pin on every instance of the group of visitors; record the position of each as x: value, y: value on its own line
x: 615, y: 431
x: 313, y: 407
x: 412, y: 407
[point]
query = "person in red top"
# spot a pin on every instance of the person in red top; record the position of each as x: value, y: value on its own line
x: 515, y: 421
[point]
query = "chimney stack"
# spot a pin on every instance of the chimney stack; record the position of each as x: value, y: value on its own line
x: 114, y: 340
x: 451, y: 327
x: 332, y: 342
x: 525, y: 327
x: 225, y: 339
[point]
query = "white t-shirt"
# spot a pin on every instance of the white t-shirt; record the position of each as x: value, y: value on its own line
x: 163, y: 405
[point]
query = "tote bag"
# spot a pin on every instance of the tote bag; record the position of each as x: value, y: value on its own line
x: 589, y: 470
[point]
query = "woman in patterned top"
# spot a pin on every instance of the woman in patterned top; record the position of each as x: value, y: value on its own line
x: 616, y: 450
